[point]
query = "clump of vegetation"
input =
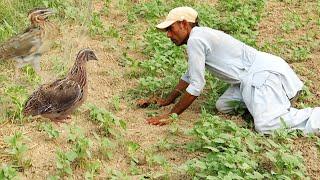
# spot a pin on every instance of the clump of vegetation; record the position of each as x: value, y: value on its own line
x: 78, y: 155
x: 92, y: 169
x: 47, y: 127
x: 17, y: 149
x: 234, y: 152
x: 106, y: 147
x: 7, y: 172
x: 109, y: 124
x: 15, y: 97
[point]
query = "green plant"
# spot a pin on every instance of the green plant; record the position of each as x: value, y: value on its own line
x: 63, y: 162
x: 293, y: 22
x: 56, y: 177
x: 96, y: 26
x: 31, y: 76
x: 236, y: 153
x: 82, y: 149
x: 116, y: 103
x: 16, y: 96
x: 8, y: 173
x: 286, y: 165
x: 74, y: 132
x: 107, y: 121
x: 47, y: 127
x: 106, y: 148
x: 92, y: 169
x: 17, y: 149
x: 156, y: 159
x: 115, y: 174
x: 164, y: 144
x: 81, y: 145
x: 59, y: 67
x: 80, y: 153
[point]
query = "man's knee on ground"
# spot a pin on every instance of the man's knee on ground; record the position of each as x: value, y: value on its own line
x: 223, y: 106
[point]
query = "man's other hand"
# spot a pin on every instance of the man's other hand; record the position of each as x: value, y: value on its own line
x: 159, y: 120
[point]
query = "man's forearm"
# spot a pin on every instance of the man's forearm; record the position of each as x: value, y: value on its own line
x: 181, y: 87
x: 183, y: 104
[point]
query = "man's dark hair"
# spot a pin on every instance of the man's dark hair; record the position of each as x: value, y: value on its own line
x: 196, y: 23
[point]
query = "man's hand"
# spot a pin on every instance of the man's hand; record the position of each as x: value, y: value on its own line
x: 143, y: 103
x: 163, y: 102
x: 159, y: 120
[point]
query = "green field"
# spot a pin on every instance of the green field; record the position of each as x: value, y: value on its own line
x: 108, y: 137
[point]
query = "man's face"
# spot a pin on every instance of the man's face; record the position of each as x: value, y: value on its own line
x: 178, y: 33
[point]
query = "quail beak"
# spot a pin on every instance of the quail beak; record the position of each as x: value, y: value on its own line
x: 95, y: 58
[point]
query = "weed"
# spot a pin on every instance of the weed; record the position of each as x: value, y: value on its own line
x: 47, y: 127
x: 132, y: 148
x: 164, y: 144
x: 64, y: 161
x: 16, y: 96
x: 116, y: 103
x: 74, y: 132
x: 96, y: 26
x: 79, y: 153
x: 31, y: 76
x: 108, y: 122
x: 293, y: 22
x: 56, y: 177
x: 7, y: 173
x: 234, y: 152
x: 115, y: 174
x: 82, y: 149
x: 106, y: 148
x: 92, y: 169
x: 17, y: 149
x: 59, y: 67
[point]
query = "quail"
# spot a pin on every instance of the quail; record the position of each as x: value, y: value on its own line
x: 27, y: 47
x: 57, y: 100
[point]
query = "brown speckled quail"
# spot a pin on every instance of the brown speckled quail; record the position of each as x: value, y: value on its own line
x: 27, y: 47
x: 59, y: 99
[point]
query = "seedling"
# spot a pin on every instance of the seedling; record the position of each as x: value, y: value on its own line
x: 8, y: 172
x: 82, y: 149
x: 92, y: 169
x: 74, y: 132
x: 16, y: 95
x: 116, y: 103
x: 47, y: 127
x: 107, y: 121
x: 17, y: 149
x: 64, y: 161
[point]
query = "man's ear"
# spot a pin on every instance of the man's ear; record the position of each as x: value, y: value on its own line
x: 185, y: 24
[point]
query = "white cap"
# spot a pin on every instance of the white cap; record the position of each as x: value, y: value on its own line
x: 179, y: 14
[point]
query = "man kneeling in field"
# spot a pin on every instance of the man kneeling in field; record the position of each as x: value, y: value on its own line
x: 265, y: 83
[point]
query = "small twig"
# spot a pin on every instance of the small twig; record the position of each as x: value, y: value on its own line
x: 33, y: 146
x: 3, y: 124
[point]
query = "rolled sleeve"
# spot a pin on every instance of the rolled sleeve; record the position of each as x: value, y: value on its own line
x: 196, y: 66
x: 186, y: 77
